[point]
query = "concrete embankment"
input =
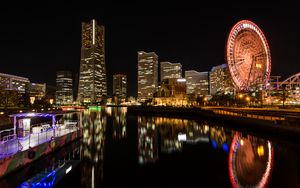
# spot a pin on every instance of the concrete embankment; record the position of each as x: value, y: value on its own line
x: 274, y: 127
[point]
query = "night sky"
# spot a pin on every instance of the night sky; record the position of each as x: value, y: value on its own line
x: 37, y: 42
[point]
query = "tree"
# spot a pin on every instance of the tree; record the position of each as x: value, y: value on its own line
x: 221, y: 99
x: 8, y: 98
x: 200, y: 101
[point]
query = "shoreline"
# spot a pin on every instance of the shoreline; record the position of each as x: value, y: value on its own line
x: 275, y: 127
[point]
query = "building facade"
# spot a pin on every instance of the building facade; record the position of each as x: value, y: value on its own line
x: 170, y: 70
x: 92, y: 87
x: 197, y: 83
x: 64, y: 88
x: 220, y: 80
x: 147, y: 75
x: 12, y: 82
x: 120, y: 86
x: 37, y: 90
x: 204, y: 84
x: 172, y: 92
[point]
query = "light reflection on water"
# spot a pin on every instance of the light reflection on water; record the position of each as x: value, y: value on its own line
x: 120, y: 150
x: 94, y: 125
x: 249, y: 164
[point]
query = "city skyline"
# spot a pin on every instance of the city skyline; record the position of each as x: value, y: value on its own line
x: 195, y: 37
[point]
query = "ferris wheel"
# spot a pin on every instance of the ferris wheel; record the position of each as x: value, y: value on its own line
x: 248, y: 56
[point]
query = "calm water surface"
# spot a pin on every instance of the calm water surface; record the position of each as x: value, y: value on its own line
x: 137, y: 151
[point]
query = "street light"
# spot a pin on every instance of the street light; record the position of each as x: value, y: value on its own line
x: 32, y: 99
x: 205, y: 100
x: 248, y: 100
x: 51, y: 101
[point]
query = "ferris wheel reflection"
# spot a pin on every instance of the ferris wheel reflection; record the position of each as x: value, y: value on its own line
x: 250, y: 161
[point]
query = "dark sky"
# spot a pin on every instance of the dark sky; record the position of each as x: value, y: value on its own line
x: 37, y: 42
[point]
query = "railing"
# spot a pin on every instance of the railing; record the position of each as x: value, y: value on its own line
x: 6, y: 134
x: 11, y: 144
x: 248, y: 115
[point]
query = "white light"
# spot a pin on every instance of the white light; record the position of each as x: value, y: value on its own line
x: 181, y: 80
x: 93, y: 177
x: 68, y: 169
x: 30, y: 114
x: 181, y: 137
x: 93, y: 31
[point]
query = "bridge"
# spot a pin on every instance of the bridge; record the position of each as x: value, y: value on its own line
x: 291, y: 82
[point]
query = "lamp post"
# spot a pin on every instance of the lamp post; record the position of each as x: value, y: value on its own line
x: 32, y: 99
x: 205, y: 100
x: 51, y: 101
x: 248, y: 100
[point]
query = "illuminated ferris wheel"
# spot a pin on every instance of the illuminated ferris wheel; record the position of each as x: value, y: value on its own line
x: 248, y: 56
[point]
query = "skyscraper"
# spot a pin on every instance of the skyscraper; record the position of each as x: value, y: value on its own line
x: 192, y: 82
x: 64, y: 87
x: 170, y: 70
x: 204, y: 84
x: 220, y: 80
x: 120, y: 86
x: 147, y: 75
x: 92, y: 77
x: 197, y: 83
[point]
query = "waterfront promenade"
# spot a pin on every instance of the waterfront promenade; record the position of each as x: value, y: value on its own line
x: 282, y: 122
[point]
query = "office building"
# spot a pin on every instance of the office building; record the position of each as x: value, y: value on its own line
x: 120, y: 86
x: 64, y: 87
x: 220, y: 80
x: 92, y: 87
x: 147, y: 75
x: 170, y: 70
x: 37, y: 90
x: 12, y: 82
x: 197, y: 83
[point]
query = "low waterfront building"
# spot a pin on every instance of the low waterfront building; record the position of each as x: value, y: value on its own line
x: 172, y: 92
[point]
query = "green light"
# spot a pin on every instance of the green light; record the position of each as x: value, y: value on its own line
x: 95, y: 108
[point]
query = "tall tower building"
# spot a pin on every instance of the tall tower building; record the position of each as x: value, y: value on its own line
x: 120, y: 85
x: 64, y: 87
x: 92, y: 85
x: 147, y: 75
x: 170, y: 70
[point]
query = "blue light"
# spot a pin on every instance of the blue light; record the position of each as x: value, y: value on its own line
x: 225, y: 147
x: 214, y: 144
x: 44, y: 182
x: 23, y: 185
